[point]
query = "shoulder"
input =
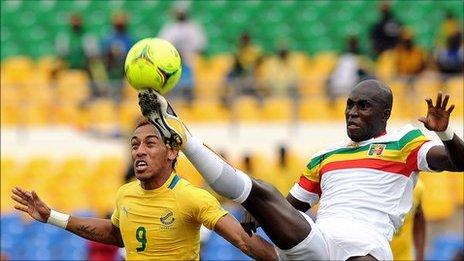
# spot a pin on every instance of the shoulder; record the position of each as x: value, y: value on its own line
x: 128, y: 187
x: 405, y: 134
x: 191, y: 194
x: 319, y: 155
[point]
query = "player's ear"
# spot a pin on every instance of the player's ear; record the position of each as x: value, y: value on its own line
x: 172, y: 153
x: 386, y: 114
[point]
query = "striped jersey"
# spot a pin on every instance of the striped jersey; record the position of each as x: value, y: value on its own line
x: 369, y: 182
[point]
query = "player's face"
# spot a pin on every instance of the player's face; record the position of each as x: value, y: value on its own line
x: 150, y: 155
x: 363, y: 115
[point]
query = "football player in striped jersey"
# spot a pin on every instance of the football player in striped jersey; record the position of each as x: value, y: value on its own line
x: 363, y: 185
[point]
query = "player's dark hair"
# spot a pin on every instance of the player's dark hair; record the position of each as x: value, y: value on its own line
x: 142, y: 121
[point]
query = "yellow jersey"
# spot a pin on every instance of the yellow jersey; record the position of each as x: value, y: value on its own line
x: 164, y: 223
x: 402, y: 243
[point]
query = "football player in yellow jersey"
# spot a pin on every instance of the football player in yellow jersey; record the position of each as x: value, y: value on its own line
x: 159, y: 215
x: 409, y: 241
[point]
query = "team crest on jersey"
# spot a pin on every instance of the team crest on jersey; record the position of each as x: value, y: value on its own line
x: 167, y: 218
x: 376, y: 149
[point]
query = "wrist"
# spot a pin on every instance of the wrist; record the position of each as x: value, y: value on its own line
x: 58, y: 219
x: 445, y: 135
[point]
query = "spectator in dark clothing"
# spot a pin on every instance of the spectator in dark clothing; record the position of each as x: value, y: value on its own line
x: 116, y: 46
x: 450, y: 60
x: 386, y: 32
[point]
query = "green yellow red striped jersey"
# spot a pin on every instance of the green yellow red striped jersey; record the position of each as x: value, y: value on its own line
x: 370, y: 181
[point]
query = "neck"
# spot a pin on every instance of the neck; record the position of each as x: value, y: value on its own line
x: 157, y: 180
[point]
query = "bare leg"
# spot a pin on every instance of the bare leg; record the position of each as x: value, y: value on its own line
x: 284, y: 225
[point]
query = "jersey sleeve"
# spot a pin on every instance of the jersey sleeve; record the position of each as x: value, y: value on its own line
x: 115, y: 215
x: 205, y: 208
x: 308, y: 188
x: 414, y: 147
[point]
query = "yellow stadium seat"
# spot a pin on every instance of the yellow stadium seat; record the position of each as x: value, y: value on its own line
x: 299, y: 61
x: 34, y: 113
x: 47, y: 64
x: 110, y: 168
x: 324, y: 62
x: 9, y: 179
x: 427, y: 85
x: 438, y: 201
x: 457, y: 181
x: 67, y: 113
x: 72, y: 86
x: 386, y: 66
x: 128, y: 114
x: 10, y: 112
x: 102, y: 112
x: 18, y: 69
x: 278, y: 109
x: 314, y: 109
x: 455, y: 88
x: 312, y: 85
x: 129, y: 94
x: 246, y: 109
x: 209, y: 110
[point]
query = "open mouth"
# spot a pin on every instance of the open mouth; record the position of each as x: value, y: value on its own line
x: 352, y: 126
x: 140, y: 165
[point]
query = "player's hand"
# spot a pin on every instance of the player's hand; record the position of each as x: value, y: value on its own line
x: 30, y: 203
x: 249, y: 224
x: 437, y: 118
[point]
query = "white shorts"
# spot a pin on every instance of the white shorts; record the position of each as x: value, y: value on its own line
x: 338, y: 239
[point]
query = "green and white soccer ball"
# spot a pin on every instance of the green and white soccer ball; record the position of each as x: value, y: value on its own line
x: 153, y: 63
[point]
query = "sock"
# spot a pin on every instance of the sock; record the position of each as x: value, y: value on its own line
x: 220, y: 176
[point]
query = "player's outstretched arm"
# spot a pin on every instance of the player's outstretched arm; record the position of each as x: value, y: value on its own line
x: 95, y: 229
x: 450, y: 156
x: 254, y: 246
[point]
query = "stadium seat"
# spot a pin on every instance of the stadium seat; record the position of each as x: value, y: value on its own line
x: 128, y: 114
x: 72, y: 86
x: 314, y: 109
x: 278, y: 109
x: 17, y: 69
x: 246, y: 109
x: 10, y: 176
x: 209, y: 111
x: 102, y: 112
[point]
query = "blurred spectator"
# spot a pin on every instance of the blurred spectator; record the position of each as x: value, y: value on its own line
x: 189, y: 39
x: 280, y: 76
x: 450, y: 60
x: 285, y: 172
x: 248, y: 53
x: 79, y: 50
x: 115, y: 46
x: 386, y: 32
x: 347, y: 72
x: 448, y: 28
x: 186, y: 35
x: 76, y: 46
x: 241, y: 78
x: 410, y: 58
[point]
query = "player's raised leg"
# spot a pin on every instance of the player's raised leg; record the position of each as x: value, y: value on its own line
x: 285, y: 225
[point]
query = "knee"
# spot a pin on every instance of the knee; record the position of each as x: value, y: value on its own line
x: 264, y: 189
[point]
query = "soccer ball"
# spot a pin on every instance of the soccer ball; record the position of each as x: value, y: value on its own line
x: 153, y: 63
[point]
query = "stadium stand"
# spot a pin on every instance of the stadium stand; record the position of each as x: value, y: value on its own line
x: 34, y: 93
